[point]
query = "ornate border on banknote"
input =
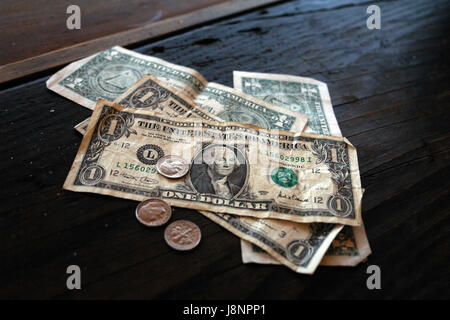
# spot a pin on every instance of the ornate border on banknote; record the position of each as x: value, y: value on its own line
x: 331, y: 152
x: 339, y: 207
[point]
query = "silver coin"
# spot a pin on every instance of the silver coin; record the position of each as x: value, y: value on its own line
x: 182, y: 235
x: 172, y: 166
x: 153, y: 212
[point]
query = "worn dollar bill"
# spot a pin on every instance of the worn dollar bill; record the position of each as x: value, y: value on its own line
x: 310, y: 97
x: 152, y: 94
x: 224, y: 103
x: 231, y: 107
x: 235, y: 168
x: 348, y: 248
x: 299, y: 246
x: 109, y: 73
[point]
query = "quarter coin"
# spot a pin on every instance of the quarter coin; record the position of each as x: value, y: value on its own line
x: 153, y: 212
x: 172, y: 166
x: 182, y: 235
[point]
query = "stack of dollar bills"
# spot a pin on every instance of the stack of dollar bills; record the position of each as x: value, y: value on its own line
x: 267, y: 158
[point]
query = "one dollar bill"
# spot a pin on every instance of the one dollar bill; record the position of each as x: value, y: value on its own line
x: 235, y: 168
x: 311, y: 97
x: 299, y: 246
x: 109, y: 73
x: 152, y: 94
x: 348, y: 248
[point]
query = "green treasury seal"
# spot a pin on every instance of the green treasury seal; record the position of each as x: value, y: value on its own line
x: 284, y: 177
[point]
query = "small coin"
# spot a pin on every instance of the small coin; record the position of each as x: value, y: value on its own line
x: 182, y: 235
x: 153, y: 212
x: 172, y: 166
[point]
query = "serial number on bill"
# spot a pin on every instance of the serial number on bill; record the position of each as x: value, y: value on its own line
x: 228, y: 310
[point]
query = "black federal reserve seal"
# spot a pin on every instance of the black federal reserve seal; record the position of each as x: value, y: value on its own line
x: 149, y: 154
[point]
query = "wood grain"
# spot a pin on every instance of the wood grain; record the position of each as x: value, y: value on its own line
x: 44, y: 41
x: 391, y: 92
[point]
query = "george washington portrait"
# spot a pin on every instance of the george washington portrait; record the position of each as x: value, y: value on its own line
x: 220, y: 170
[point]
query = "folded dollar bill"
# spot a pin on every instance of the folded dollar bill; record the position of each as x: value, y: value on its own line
x: 109, y: 73
x: 299, y: 246
x: 310, y: 97
x: 348, y: 248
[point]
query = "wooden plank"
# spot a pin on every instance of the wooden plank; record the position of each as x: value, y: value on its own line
x: 32, y: 28
x: 65, y: 51
x: 390, y: 89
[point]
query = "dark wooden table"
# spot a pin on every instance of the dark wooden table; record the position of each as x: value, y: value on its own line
x: 391, y: 91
